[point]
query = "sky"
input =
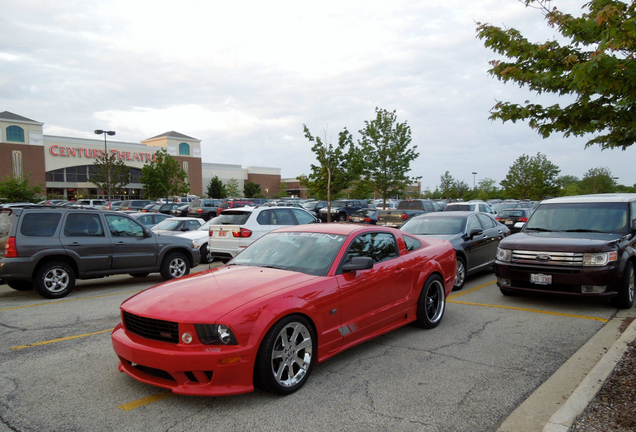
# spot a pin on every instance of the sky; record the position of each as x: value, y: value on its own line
x: 245, y: 76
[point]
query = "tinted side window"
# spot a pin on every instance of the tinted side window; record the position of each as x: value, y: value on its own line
x: 486, y: 221
x: 428, y: 206
x: 263, y: 218
x: 120, y: 226
x: 412, y: 243
x: 283, y: 217
x: 303, y: 217
x: 473, y: 223
x: 379, y: 246
x: 40, y: 224
x: 83, y: 225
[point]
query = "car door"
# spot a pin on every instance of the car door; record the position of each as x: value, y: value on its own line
x: 132, y: 249
x: 493, y: 234
x: 84, y: 238
x: 476, y: 246
x: 372, y: 299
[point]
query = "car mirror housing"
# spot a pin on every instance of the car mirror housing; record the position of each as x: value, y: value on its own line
x: 474, y: 233
x: 358, y: 263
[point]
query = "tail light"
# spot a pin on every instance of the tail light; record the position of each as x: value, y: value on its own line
x: 405, y: 216
x: 10, y: 249
x: 522, y: 219
x: 243, y: 232
x: 367, y: 219
x: 498, y: 219
x: 200, y: 211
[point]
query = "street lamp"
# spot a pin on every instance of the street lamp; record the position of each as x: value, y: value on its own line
x: 474, y: 174
x: 111, y: 133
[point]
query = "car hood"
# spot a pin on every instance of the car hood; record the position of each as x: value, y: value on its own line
x: 207, y: 296
x: 195, y: 235
x: 559, y: 241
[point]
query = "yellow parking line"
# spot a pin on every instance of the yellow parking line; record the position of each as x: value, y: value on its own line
x: 145, y: 401
x: 530, y: 310
x: 59, y: 340
x: 46, y: 303
x: 468, y: 291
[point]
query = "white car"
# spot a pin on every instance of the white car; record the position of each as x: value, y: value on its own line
x: 235, y: 229
x: 200, y: 237
x: 177, y: 225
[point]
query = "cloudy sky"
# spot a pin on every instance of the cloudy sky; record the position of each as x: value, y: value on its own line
x: 244, y: 76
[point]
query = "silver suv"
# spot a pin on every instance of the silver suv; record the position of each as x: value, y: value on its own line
x: 48, y: 248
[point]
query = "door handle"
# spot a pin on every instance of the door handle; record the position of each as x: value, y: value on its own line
x: 74, y: 244
x: 120, y: 243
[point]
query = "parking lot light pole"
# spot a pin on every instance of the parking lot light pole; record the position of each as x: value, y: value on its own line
x: 105, y: 133
x: 474, y: 174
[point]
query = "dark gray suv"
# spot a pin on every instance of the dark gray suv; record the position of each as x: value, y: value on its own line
x: 48, y: 248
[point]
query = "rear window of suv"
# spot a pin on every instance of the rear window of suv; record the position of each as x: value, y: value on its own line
x: 229, y: 217
x: 40, y: 224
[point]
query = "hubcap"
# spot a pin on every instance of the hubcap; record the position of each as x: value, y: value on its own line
x: 461, y: 273
x: 56, y: 280
x: 292, y: 354
x: 435, y: 301
x: 630, y: 289
x: 177, y: 267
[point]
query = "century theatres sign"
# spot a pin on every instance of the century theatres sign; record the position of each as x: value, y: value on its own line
x: 88, y: 153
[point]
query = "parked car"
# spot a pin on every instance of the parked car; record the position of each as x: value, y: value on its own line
x: 579, y: 245
x: 52, y: 202
x: 151, y: 208
x: 148, y: 219
x: 474, y: 237
x: 469, y: 206
x: 111, y: 205
x: 204, y: 208
x: 314, y: 207
x: 295, y: 297
x: 135, y: 205
x: 514, y: 218
x: 176, y: 225
x: 367, y: 216
x: 181, y: 211
x: 200, y: 238
x: 234, y: 204
x: 341, y: 209
x: 48, y: 248
x: 405, y: 210
x: 92, y: 203
x: 167, y: 208
x: 235, y: 229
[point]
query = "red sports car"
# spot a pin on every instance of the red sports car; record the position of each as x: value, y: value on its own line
x: 295, y: 297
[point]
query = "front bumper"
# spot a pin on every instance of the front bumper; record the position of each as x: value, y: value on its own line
x: 199, y: 370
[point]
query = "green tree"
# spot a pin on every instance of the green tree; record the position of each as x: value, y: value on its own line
x: 251, y: 189
x: 163, y: 177
x: 110, y: 174
x: 598, y: 180
x: 446, y: 185
x: 232, y: 187
x: 19, y: 190
x: 386, y: 154
x: 338, y: 165
x: 596, y: 67
x: 216, y: 188
x: 362, y: 189
x: 487, y: 189
x: 531, y: 177
x: 282, y: 190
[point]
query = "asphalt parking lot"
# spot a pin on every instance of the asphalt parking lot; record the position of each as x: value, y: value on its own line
x: 58, y: 370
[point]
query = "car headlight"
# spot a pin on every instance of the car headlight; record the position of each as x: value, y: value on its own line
x: 215, y: 334
x: 504, y: 255
x: 599, y: 259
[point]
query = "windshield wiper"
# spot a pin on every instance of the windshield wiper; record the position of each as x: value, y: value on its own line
x: 583, y: 230
x: 539, y: 229
x: 272, y: 267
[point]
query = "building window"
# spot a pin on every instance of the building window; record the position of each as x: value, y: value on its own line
x: 55, y: 176
x: 135, y: 173
x: 17, y: 164
x: 15, y: 134
x: 184, y: 149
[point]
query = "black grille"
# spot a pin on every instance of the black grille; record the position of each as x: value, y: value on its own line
x: 166, y: 331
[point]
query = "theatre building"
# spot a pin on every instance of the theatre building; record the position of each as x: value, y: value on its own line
x: 63, y: 165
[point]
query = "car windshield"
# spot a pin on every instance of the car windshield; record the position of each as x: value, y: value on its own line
x: 580, y: 217
x: 339, y: 204
x: 168, y: 225
x: 460, y: 207
x: 433, y: 226
x: 304, y: 252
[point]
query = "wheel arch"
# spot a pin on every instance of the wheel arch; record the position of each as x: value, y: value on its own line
x: 63, y: 258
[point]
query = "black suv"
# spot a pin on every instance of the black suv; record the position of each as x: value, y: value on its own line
x: 341, y: 209
x: 48, y: 248
x: 205, y: 208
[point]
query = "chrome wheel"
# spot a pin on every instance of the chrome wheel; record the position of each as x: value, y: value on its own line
x: 432, y: 303
x: 177, y: 267
x: 56, y: 280
x: 174, y: 266
x: 460, y: 277
x: 292, y: 355
x: 630, y: 285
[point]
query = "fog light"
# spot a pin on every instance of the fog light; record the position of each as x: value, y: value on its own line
x: 502, y: 281
x: 593, y: 289
x: 186, y: 338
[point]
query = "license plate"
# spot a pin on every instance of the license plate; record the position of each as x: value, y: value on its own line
x: 541, y: 279
x: 222, y: 233
x: 508, y: 222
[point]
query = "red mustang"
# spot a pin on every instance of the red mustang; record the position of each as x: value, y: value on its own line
x: 295, y: 297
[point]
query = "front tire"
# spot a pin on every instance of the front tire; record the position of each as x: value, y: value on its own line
x: 206, y: 255
x: 54, y: 279
x: 342, y: 218
x: 432, y: 303
x: 174, y: 266
x: 460, y: 277
x: 286, y: 356
x: 625, y: 297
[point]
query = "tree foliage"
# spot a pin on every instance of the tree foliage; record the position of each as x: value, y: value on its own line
x: 19, y: 190
x: 531, y: 177
x: 232, y: 187
x: 163, y: 177
x: 251, y: 189
x: 598, y: 180
x: 216, y: 188
x: 110, y: 174
x: 597, y: 68
x: 386, y: 154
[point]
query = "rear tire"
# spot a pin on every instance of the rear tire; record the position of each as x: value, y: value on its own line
x: 432, y: 303
x: 625, y: 297
x: 54, y: 279
x: 460, y: 277
x: 174, y: 266
x: 206, y: 257
x: 20, y: 285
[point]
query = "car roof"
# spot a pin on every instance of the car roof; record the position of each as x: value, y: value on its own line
x: 455, y: 214
x: 335, y: 228
x: 594, y: 198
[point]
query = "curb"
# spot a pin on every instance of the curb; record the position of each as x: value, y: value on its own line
x: 565, y: 416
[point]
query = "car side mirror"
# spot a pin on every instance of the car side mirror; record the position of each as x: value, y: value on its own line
x: 358, y: 263
x: 476, y: 232
x: 147, y: 233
